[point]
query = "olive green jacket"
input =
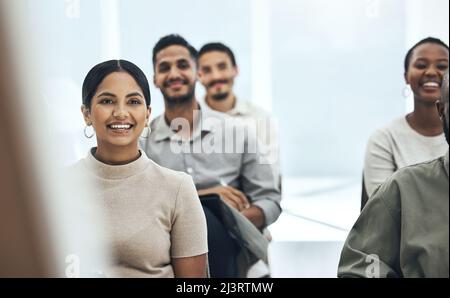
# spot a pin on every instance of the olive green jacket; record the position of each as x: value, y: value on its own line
x: 404, y: 229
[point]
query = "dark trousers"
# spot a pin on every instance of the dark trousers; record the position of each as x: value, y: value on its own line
x: 223, y: 250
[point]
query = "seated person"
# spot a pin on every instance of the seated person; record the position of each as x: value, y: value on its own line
x: 404, y: 229
x: 418, y: 136
x: 186, y: 138
x: 218, y: 70
x: 157, y: 227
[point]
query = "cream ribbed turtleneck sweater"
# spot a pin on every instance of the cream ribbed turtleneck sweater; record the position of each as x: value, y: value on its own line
x: 153, y: 214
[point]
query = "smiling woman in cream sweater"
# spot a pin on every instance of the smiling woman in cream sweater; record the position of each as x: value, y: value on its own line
x: 157, y: 227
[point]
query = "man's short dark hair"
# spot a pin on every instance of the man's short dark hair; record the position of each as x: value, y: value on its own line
x: 219, y: 47
x: 174, y: 40
x: 431, y: 40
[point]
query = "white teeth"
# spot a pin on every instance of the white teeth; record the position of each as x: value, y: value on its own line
x: 120, y: 126
x: 431, y: 84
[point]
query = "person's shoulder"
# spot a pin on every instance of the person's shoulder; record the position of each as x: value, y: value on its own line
x: 408, y: 180
x: 165, y: 175
x: 427, y: 168
x: 256, y: 110
x: 218, y: 120
x: 393, y: 125
x: 165, y: 185
x: 387, y: 131
x: 158, y: 130
x: 210, y: 113
x: 154, y: 123
x: 396, y: 126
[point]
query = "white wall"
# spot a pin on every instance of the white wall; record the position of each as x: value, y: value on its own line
x: 329, y: 70
x: 424, y: 19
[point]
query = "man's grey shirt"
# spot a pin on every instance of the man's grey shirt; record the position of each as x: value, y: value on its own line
x: 220, y: 152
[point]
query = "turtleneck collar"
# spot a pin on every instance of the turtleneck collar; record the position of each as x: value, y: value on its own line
x: 111, y: 172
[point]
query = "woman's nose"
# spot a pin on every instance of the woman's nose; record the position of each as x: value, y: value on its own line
x: 432, y: 71
x: 120, y: 112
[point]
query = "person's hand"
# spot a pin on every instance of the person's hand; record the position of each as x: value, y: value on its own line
x: 229, y: 195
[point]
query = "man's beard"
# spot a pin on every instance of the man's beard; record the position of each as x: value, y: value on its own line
x: 173, y: 101
x: 220, y: 96
x: 223, y: 95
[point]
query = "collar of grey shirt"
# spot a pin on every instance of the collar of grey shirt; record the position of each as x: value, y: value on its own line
x: 163, y: 131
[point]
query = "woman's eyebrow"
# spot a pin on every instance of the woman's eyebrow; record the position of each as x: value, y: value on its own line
x: 106, y: 94
x: 135, y: 94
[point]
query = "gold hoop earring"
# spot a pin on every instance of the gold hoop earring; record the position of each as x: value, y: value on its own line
x: 86, y: 133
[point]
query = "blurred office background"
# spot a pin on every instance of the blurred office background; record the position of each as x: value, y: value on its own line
x: 330, y: 71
